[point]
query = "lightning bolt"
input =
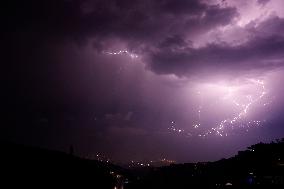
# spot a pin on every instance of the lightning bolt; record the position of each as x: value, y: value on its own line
x: 122, y: 52
x: 236, y: 120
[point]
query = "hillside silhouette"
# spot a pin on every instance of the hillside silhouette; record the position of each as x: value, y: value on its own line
x: 261, y: 165
x: 23, y: 166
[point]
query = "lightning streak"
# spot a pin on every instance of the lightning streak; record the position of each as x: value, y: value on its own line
x: 121, y: 52
x: 239, y: 120
x: 197, y: 125
x: 236, y: 121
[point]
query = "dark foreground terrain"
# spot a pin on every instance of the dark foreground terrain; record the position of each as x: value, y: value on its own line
x: 24, y: 167
x: 260, y: 166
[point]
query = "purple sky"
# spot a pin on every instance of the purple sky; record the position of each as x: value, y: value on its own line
x: 188, y: 80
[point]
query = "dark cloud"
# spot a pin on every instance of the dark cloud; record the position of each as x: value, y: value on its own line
x: 139, y: 20
x: 172, y: 42
x: 258, y: 53
x: 141, y: 25
x: 183, y: 6
x: 271, y: 26
x: 263, y: 50
x: 263, y: 2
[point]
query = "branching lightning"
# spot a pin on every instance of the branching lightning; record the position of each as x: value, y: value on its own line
x: 239, y: 120
x: 236, y: 121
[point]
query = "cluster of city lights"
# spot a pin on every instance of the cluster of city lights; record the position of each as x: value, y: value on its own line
x: 152, y: 163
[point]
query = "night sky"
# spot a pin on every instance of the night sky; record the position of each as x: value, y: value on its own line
x: 186, y: 80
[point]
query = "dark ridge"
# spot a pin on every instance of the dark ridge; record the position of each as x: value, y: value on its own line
x: 23, y: 166
x: 261, y: 165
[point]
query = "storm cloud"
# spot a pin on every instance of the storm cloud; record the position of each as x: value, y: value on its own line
x: 66, y: 84
x: 150, y: 28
